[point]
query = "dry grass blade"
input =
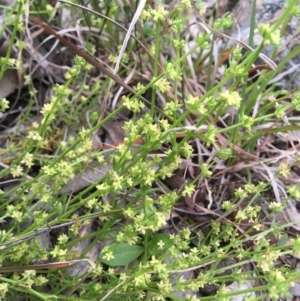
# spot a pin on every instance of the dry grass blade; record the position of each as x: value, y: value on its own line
x: 128, y: 34
x: 267, y: 60
x: 46, y: 266
x: 84, y: 55
x: 93, y: 61
x: 11, y: 244
x: 114, y: 22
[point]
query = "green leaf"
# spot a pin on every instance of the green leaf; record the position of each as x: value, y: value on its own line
x: 282, y: 241
x: 123, y: 254
x: 154, y: 247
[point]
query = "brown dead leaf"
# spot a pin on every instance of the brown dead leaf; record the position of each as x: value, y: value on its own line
x: 81, y: 267
x: 92, y: 173
x: 115, y: 132
x: 7, y: 2
x: 289, y: 215
x: 8, y: 83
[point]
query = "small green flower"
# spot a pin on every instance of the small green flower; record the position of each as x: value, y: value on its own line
x: 186, y: 233
x: 50, y: 171
x: 129, y: 181
x: 284, y: 169
x: 16, y: 171
x: 296, y: 245
x: 237, y: 53
x: 106, y: 207
x: 210, y: 135
x: 192, y: 101
x: 91, y: 203
x: 202, y: 41
x: 29, y: 273
x: 98, y: 287
x: 250, y: 188
x: 280, y: 111
x: 163, y: 85
x: 164, y: 286
x: 167, y: 200
x: 188, y: 190
x: 231, y: 98
x: 227, y: 205
x: 62, y: 239
x: 178, y: 43
x: 146, y: 15
x: 13, y: 62
x: 159, y: 221
x: 61, y: 91
x: 139, y: 87
x: 97, y: 271
x: 160, y: 244
x: 159, y: 14
x: 224, y: 23
x: 237, y: 70
x: 100, y: 159
x: 132, y: 104
x: 18, y: 216
x: 294, y: 191
x: 59, y: 253
x: 172, y: 107
x: 103, y: 188
x: 205, y: 170
x: 164, y: 124
x: 240, y: 193
x: 149, y: 177
x: 225, y: 153
x: 294, y: 9
x: 40, y: 217
x: 296, y: 102
x: 28, y: 160
x: 186, y: 150
x: 177, y: 26
x: 252, y: 211
x: 173, y: 73
x: 262, y: 186
x: 120, y: 237
x: 205, y: 250
x: 117, y: 184
x: 112, y: 58
x: 4, y: 104
x: 34, y: 135
x: 185, y: 4
x: 3, y: 289
x: 47, y: 108
x: 270, y: 36
x: 276, y: 207
x: 247, y: 122
x: 65, y: 169
x: 108, y: 256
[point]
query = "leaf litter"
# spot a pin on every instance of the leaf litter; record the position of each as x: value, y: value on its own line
x: 205, y: 204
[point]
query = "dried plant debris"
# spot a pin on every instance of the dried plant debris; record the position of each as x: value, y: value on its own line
x: 93, y: 253
x: 7, y: 2
x: 9, y: 81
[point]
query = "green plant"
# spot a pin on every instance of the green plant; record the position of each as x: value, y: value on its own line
x: 128, y: 207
